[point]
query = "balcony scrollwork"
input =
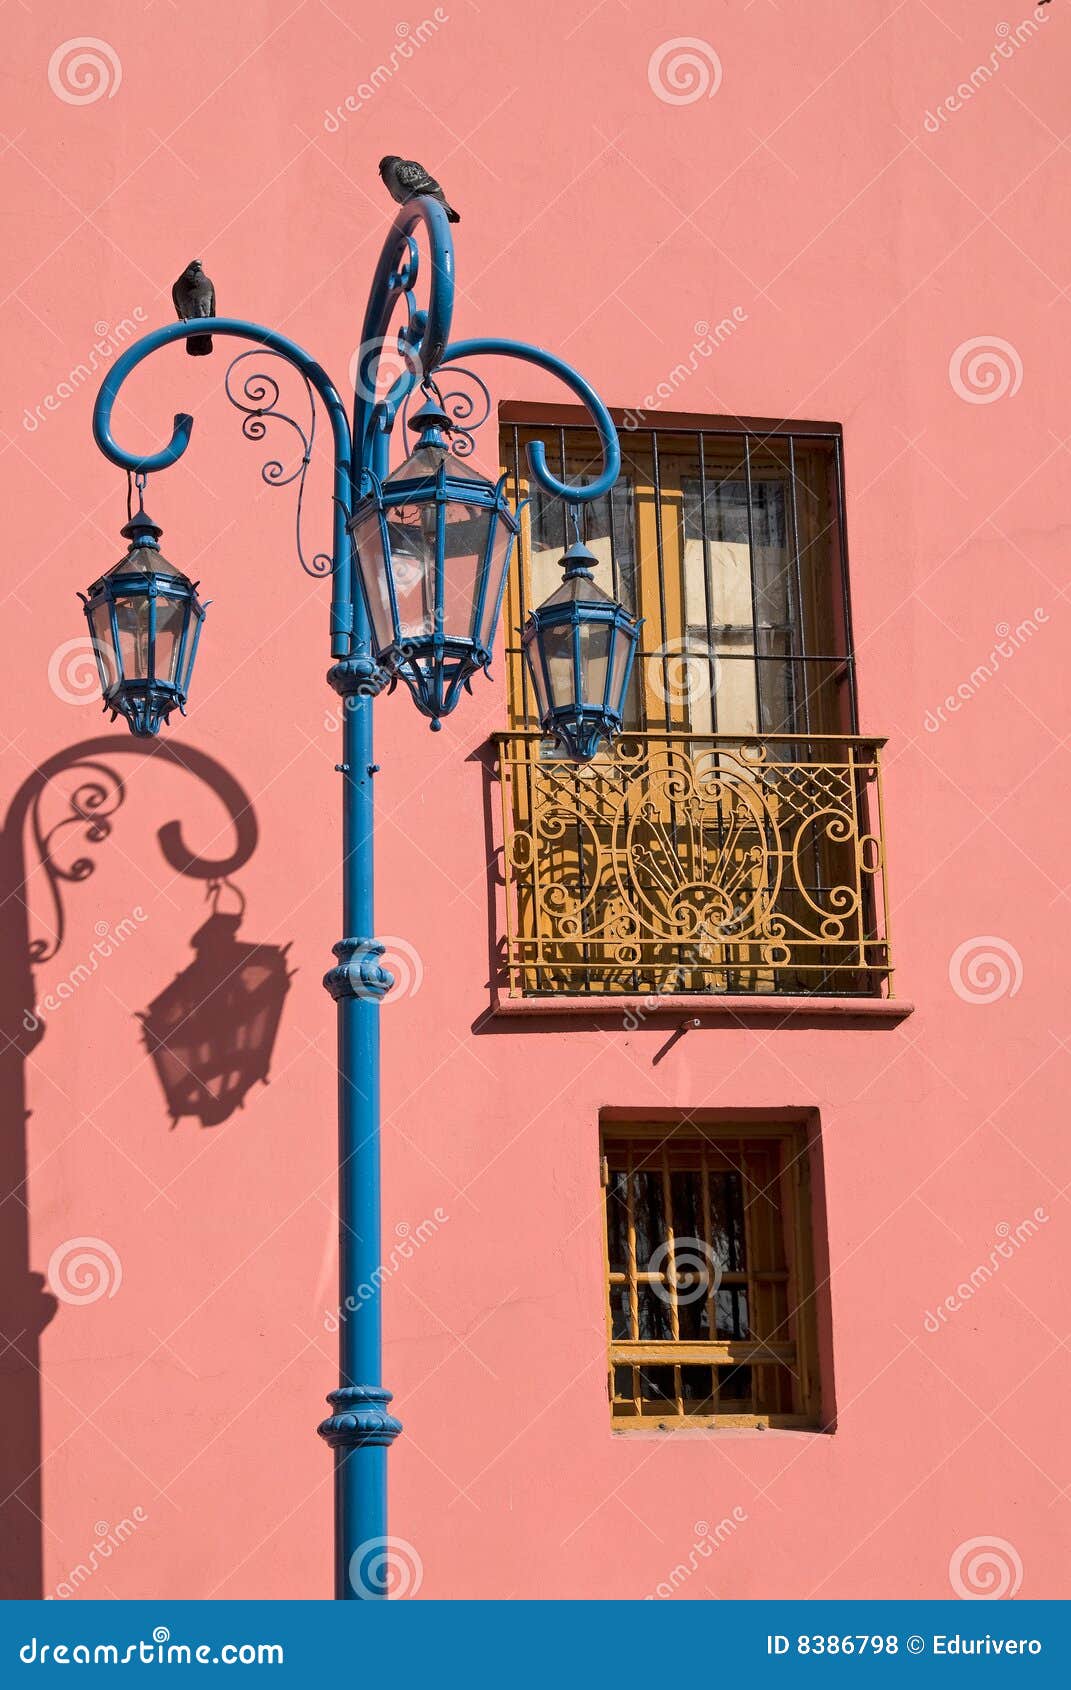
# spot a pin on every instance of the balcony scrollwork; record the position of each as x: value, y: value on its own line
x: 680, y: 863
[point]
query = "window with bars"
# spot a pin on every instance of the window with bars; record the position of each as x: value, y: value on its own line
x: 710, y: 1277
x: 730, y: 840
x: 730, y: 543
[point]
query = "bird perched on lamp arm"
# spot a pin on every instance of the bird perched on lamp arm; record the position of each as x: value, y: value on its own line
x: 405, y: 180
x: 195, y: 296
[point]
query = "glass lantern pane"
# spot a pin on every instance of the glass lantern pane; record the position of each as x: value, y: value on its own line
x: 558, y: 651
x: 102, y: 640
x: 500, y: 555
x: 535, y: 670
x: 411, y: 532
x: 367, y: 538
x: 465, y: 535
x: 422, y: 464
x: 622, y: 647
x: 594, y: 660
x: 132, y: 621
x: 170, y: 620
x: 192, y: 637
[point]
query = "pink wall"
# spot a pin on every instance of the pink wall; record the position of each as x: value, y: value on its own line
x: 865, y: 248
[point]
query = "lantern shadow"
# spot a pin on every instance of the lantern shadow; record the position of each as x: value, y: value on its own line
x: 211, y: 1032
x: 90, y: 791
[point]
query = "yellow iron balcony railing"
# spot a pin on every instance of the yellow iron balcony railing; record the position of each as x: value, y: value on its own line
x: 692, y: 863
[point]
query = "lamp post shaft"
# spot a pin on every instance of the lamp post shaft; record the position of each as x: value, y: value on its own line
x: 361, y: 1469
x: 360, y: 1428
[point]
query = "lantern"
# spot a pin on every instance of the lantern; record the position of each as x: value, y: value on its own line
x: 145, y: 620
x: 433, y: 544
x: 211, y: 1032
x: 580, y: 646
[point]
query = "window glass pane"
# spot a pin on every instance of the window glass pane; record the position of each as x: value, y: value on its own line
x: 658, y: 1389
x: 620, y: 1318
x: 655, y: 1322
x: 697, y: 1389
x: 727, y: 1220
x: 730, y: 1304
x: 734, y: 1386
x: 624, y: 1390
x: 606, y: 528
x: 737, y: 590
x: 648, y: 1215
x: 686, y: 1191
x: 693, y: 1314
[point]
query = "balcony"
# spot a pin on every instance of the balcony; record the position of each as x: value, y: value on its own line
x: 682, y: 863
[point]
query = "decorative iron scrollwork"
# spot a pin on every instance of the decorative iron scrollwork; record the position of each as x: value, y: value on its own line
x: 684, y: 863
x: 259, y: 403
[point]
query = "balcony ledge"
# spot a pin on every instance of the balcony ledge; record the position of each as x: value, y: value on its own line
x: 737, y: 1009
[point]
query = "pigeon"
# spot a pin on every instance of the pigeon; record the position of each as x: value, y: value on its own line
x: 405, y: 180
x: 195, y: 296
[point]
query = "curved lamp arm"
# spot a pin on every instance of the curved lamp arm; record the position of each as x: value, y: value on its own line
x: 537, y: 455
x: 424, y: 335
x: 342, y: 624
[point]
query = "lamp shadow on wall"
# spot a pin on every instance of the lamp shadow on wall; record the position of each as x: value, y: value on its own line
x: 83, y: 782
x: 211, y: 1032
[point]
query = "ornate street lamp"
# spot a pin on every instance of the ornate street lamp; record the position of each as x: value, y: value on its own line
x: 417, y: 568
x: 580, y: 645
x: 145, y: 621
x: 433, y: 546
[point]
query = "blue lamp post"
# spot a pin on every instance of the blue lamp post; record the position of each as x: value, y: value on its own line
x: 417, y: 568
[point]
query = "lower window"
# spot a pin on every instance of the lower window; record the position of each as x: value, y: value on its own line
x: 710, y: 1276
